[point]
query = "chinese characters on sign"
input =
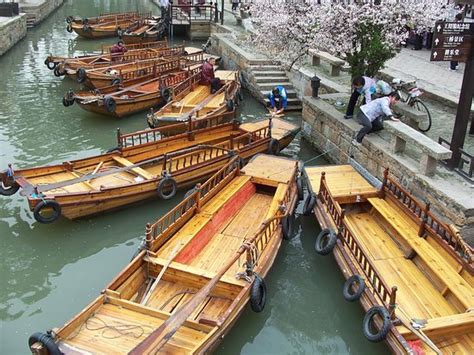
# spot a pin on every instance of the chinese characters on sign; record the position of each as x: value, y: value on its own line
x: 453, y: 41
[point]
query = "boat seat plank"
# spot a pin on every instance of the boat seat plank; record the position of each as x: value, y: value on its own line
x: 263, y: 170
x: 437, y: 264
x: 452, y: 325
x: 143, y: 173
x: 214, y: 308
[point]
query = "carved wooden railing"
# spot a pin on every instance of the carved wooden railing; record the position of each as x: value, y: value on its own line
x: 350, y: 243
x: 136, y: 46
x: 152, y: 66
x: 174, y: 219
x: 184, y: 159
x: 428, y: 222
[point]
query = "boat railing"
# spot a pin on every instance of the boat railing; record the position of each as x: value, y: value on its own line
x: 187, y: 84
x: 155, y: 67
x: 428, y: 222
x: 345, y: 235
x: 174, y: 219
x: 135, y: 46
x: 192, y: 156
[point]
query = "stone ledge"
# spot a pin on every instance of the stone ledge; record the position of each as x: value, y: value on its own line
x: 449, y: 196
x: 11, y: 31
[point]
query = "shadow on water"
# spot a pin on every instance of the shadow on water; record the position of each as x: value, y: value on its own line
x: 50, y: 272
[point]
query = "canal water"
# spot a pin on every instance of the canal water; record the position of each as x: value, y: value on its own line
x: 50, y: 272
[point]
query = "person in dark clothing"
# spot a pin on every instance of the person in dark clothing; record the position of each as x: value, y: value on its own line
x: 118, y: 50
x: 208, y: 77
x: 362, y: 85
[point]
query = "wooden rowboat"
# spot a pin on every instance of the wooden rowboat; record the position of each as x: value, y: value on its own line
x: 52, y: 61
x: 106, y: 28
x: 145, y: 164
x: 136, y: 98
x: 412, y: 273
x: 114, y: 77
x: 107, y: 17
x: 72, y: 67
x: 197, y: 103
x: 204, y: 262
x: 144, y: 31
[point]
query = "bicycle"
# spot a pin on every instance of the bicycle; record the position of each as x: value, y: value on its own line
x: 410, y: 96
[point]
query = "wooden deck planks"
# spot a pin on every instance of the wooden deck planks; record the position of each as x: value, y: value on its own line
x: 280, y: 128
x: 276, y: 170
x: 435, y: 261
x: 342, y: 180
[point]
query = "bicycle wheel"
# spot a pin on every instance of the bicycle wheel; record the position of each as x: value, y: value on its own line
x: 425, y: 124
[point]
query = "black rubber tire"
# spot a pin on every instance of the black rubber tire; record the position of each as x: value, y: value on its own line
x: 8, y: 190
x: 288, y: 226
x: 325, y: 242
x: 48, y: 342
x: 67, y: 102
x: 85, y: 20
x: 309, y: 204
x: 299, y: 188
x: 230, y: 105
x: 164, y: 183
x: 258, y: 294
x: 113, y: 150
x: 110, y: 104
x: 50, y: 65
x: 346, y: 289
x: 81, y: 75
x: 120, y: 32
x: 86, y: 27
x: 69, y: 28
x: 386, y: 325
x: 69, y: 19
x: 116, y: 81
x: 47, y: 203
x: 273, y: 147
x: 166, y: 94
x: 58, y: 72
x: 421, y: 106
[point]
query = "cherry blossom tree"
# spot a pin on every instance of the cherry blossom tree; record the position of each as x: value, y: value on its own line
x: 366, y: 33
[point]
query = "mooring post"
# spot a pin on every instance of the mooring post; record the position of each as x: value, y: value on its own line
x: 393, y: 302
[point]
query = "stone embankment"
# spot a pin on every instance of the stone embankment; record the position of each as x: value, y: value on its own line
x: 12, y: 29
x: 32, y: 12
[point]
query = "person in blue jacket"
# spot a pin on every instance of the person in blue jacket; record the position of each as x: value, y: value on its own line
x: 278, y: 99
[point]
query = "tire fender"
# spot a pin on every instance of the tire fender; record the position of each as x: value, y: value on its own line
x: 299, y: 188
x: 273, y: 147
x: 69, y: 28
x: 43, y: 204
x: 230, y: 105
x: 8, y: 190
x: 166, y: 94
x: 51, y: 65
x: 116, y: 81
x: 325, y: 242
x: 258, y: 294
x: 163, y: 184
x: 309, y: 204
x: 347, y: 288
x: 110, y: 104
x: 81, y: 75
x: 288, y: 226
x: 380, y: 334
x: 47, y: 340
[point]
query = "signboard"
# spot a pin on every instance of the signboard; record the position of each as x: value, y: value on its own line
x: 453, y: 41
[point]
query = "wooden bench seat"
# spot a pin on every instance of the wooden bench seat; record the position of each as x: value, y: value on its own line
x: 335, y: 62
x: 143, y: 173
x: 452, y: 325
x: 431, y: 151
x: 437, y: 264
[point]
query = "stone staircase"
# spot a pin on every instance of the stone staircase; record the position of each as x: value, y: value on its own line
x: 266, y: 76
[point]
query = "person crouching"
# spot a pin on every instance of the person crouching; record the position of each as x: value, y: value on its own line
x: 372, y: 115
x: 208, y: 77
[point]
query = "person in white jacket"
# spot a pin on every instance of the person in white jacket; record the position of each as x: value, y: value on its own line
x: 363, y: 85
x: 371, y: 115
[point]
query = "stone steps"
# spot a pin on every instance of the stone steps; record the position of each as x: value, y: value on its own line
x: 264, y: 73
x: 271, y: 79
x: 266, y: 68
x: 291, y: 94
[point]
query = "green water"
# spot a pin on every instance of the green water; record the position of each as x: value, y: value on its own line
x: 50, y: 272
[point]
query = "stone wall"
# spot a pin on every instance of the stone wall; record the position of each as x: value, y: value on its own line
x: 11, y: 31
x: 37, y: 11
x: 326, y: 128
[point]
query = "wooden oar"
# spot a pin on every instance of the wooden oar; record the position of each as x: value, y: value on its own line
x: 418, y: 332
x: 171, y: 257
x: 159, y: 337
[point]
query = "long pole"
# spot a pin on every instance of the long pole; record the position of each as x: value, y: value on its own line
x: 463, y: 113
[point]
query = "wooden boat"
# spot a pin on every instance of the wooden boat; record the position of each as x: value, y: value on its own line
x: 135, y: 98
x: 145, y: 164
x: 113, y: 77
x: 72, y: 67
x: 52, y: 61
x: 204, y: 262
x: 417, y: 271
x: 106, y: 17
x: 197, y: 103
x: 106, y: 28
x: 144, y: 31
